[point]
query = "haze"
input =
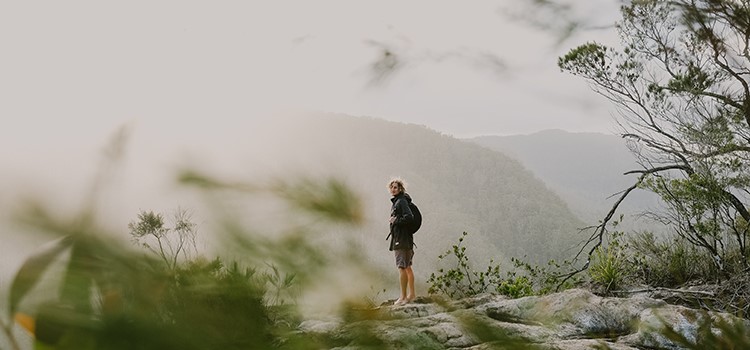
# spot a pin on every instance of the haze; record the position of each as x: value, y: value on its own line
x: 194, y: 82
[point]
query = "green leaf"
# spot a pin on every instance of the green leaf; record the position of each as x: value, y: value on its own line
x: 331, y: 199
x: 29, y: 273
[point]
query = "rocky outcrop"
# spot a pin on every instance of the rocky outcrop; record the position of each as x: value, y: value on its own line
x: 570, y: 320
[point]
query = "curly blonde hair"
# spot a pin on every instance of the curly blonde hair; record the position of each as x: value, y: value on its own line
x: 399, y: 182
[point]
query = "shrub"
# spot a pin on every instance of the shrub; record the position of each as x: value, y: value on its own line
x: 669, y: 263
x: 517, y: 287
x: 463, y: 281
x: 608, y: 268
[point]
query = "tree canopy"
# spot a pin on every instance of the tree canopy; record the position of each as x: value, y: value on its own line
x: 681, y: 85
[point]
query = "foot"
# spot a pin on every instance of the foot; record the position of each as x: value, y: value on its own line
x: 410, y: 298
x: 400, y: 302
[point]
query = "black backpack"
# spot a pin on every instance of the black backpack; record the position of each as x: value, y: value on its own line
x: 415, y: 224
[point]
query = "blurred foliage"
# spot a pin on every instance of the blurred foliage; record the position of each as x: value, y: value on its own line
x: 329, y: 199
x: 113, y: 297
x: 555, y: 17
x: 559, y: 19
x: 494, y: 338
x: 712, y: 334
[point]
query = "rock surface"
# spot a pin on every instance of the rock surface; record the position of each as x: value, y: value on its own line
x: 570, y: 320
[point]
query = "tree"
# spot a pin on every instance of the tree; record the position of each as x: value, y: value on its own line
x: 167, y: 243
x: 681, y: 85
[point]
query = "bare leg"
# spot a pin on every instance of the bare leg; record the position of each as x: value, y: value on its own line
x: 403, y: 280
x: 410, y: 282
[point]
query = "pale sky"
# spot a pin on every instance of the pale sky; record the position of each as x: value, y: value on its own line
x: 186, y: 74
x: 82, y: 67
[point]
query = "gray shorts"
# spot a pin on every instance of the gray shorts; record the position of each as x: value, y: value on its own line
x: 404, y: 258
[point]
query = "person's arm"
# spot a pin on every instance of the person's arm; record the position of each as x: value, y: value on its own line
x: 406, y: 214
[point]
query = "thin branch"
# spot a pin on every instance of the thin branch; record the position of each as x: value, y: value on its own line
x: 660, y: 169
x: 662, y: 289
x: 600, y: 230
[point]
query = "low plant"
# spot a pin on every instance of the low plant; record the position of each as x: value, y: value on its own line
x: 546, y: 279
x: 518, y: 287
x: 669, y: 263
x: 461, y: 280
x: 608, y: 268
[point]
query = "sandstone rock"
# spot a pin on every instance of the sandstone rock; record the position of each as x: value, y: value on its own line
x: 319, y: 326
x: 570, y: 320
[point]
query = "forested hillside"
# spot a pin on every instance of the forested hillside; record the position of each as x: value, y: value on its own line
x: 458, y: 185
x: 585, y: 169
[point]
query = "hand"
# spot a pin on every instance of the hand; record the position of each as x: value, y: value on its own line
x: 393, y: 218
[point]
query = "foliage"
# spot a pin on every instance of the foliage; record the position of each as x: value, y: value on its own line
x: 281, y: 286
x: 139, y: 304
x: 116, y: 298
x: 221, y: 297
x: 371, y: 300
x: 150, y: 232
x: 668, y: 263
x: 675, y: 263
x: 680, y: 83
x: 545, y: 279
x: 609, y: 268
x: 727, y: 334
x: 463, y: 281
x: 517, y: 287
x: 113, y: 297
x: 330, y: 199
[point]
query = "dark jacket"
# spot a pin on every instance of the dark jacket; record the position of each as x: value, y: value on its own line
x: 401, y: 239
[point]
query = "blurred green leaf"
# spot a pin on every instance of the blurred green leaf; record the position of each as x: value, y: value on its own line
x: 198, y: 179
x: 30, y: 272
x: 331, y: 199
x: 195, y: 178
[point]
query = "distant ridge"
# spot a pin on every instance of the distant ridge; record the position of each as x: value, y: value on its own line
x: 585, y: 169
x: 458, y: 185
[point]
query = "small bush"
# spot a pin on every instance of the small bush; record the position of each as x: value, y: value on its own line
x: 608, y: 268
x: 516, y: 288
x: 463, y: 281
x: 669, y: 263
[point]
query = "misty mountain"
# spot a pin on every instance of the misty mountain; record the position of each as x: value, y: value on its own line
x: 458, y: 185
x: 585, y: 169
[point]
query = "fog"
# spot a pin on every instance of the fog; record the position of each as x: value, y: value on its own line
x: 211, y: 87
x: 503, y: 206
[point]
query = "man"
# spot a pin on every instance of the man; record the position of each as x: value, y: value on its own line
x: 402, y: 240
